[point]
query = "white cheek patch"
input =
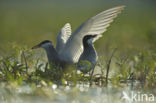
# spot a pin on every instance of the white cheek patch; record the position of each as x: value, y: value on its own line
x: 46, y: 45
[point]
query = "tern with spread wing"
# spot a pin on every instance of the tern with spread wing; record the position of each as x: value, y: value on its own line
x: 72, y: 48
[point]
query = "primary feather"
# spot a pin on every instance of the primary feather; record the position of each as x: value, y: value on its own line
x: 63, y: 36
x: 96, y: 25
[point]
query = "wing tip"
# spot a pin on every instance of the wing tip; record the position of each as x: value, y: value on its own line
x: 121, y: 7
x: 67, y: 24
x: 118, y: 8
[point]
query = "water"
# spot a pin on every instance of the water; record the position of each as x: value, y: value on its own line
x: 30, y: 22
x: 77, y: 94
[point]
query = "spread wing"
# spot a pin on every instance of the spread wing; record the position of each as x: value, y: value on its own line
x: 95, y: 25
x: 63, y: 36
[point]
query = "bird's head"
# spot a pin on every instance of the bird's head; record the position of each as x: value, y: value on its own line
x: 89, y: 39
x: 43, y: 44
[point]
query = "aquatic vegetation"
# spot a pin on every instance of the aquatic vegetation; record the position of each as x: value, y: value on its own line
x: 25, y: 78
x: 123, y: 75
x: 22, y: 67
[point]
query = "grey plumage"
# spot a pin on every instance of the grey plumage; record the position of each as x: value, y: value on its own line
x: 89, y: 54
x: 63, y: 36
x: 95, y: 25
x: 52, y: 55
x: 51, y: 52
x: 71, y: 48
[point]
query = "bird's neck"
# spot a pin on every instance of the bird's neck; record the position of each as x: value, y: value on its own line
x: 89, y: 49
x: 89, y: 53
x: 52, y: 54
x: 86, y: 44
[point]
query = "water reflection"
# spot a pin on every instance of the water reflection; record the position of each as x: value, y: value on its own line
x: 81, y: 93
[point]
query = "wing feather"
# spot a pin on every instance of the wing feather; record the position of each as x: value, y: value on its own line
x: 96, y: 25
x: 63, y: 36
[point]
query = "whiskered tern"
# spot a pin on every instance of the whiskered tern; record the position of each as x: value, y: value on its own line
x: 72, y: 48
